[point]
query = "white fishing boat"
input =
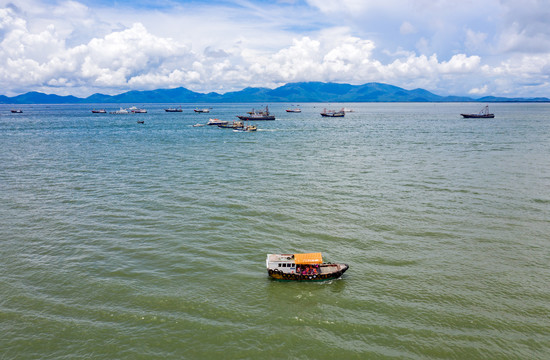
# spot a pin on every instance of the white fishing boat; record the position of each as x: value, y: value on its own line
x: 121, y: 111
x: 217, y: 122
x: 173, y: 109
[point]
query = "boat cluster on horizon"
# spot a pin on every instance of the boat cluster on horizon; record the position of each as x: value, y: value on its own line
x: 121, y: 111
x: 264, y: 114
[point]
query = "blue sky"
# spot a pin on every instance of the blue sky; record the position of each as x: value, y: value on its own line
x: 475, y: 48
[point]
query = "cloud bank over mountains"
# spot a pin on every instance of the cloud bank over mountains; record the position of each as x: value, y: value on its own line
x: 499, y: 48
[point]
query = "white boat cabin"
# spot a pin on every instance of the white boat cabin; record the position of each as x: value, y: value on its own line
x: 294, y: 263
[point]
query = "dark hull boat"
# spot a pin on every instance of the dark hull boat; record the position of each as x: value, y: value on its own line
x: 257, y: 115
x: 333, y: 113
x: 302, y: 267
x: 483, y: 114
x: 173, y: 109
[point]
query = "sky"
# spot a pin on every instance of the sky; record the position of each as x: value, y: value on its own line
x: 467, y: 48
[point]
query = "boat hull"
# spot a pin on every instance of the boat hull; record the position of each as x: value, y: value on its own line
x: 477, y: 116
x: 253, y: 118
x: 339, y: 270
x: 234, y: 125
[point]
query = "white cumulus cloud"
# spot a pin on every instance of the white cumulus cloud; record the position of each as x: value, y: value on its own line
x: 72, y: 47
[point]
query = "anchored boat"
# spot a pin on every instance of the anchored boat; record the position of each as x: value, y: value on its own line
x: 483, y: 114
x: 173, y: 109
x: 119, y: 112
x: 217, y: 122
x: 136, y: 110
x: 257, y: 115
x: 333, y: 113
x: 302, y: 267
x: 232, y: 125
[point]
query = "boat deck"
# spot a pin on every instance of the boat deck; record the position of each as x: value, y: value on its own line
x: 326, y: 269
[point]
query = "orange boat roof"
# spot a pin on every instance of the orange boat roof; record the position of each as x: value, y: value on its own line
x: 308, y: 259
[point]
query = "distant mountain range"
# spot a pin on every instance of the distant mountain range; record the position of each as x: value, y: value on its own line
x: 293, y: 92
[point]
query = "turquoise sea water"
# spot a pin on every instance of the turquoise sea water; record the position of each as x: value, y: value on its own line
x: 139, y: 241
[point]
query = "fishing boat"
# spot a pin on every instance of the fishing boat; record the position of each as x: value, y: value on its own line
x: 295, y: 110
x: 119, y: 112
x: 247, y: 128
x: 333, y: 113
x: 232, y: 125
x: 217, y: 122
x: 483, y: 114
x: 173, y: 109
x: 257, y: 115
x: 201, y: 110
x: 17, y: 111
x: 302, y: 267
x: 136, y: 110
x: 141, y: 121
x: 100, y: 111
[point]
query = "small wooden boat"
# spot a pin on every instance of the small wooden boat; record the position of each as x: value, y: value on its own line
x: 302, y: 267
x: 141, y: 122
x: 232, y: 125
x: 483, y: 114
x: 333, y: 113
x: 247, y: 128
x: 201, y: 110
x: 100, y: 111
x: 296, y: 110
x: 17, y: 111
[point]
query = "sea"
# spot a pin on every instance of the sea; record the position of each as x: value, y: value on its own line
x: 122, y: 240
